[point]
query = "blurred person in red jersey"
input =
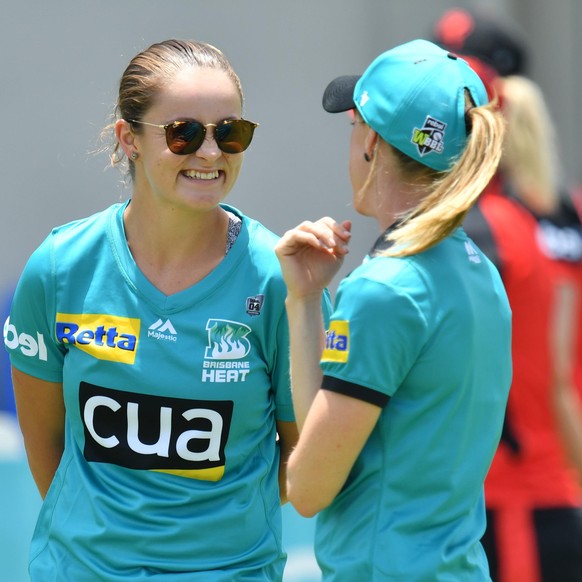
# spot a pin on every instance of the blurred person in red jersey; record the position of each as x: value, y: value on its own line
x: 527, y: 224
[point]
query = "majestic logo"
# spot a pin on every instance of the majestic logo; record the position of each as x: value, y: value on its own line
x: 254, y: 304
x: 105, y: 337
x: 430, y: 137
x: 140, y: 431
x: 227, y: 346
x: 163, y: 330
x: 29, y: 345
x: 337, y: 342
x: 472, y: 252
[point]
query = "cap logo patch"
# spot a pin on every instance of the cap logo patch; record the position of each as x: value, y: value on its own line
x: 364, y: 98
x: 430, y: 137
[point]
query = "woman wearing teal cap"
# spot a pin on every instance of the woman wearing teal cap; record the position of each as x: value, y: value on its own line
x: 401, y: 402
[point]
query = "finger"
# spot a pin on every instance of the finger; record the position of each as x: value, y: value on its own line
x: 299, y: 238
x: 336, y: 234
x: 327, y: 230
x: 322, y: 230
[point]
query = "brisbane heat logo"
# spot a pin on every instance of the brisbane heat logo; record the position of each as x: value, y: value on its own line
x: 227, y: 347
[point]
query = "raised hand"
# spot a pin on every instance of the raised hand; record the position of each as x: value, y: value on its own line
x: 312, y: 253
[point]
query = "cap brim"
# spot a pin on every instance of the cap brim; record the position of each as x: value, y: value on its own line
x: 339, y: 94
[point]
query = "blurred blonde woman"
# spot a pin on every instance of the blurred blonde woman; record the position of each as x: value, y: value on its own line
x: 532, y: 490
x: 530, y: 159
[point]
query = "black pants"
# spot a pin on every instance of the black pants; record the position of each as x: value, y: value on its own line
x: 558, y: 537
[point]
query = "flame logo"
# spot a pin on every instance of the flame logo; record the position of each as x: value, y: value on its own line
x: 227, y: 340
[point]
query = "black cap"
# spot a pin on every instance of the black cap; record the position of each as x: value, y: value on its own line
x: 339, y: 94
x: 479, y: 33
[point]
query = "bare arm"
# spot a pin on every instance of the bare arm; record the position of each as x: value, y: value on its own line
x: 288, y: 435
x: 310, y: 255
x: 41, y: 414
x: 565, y: 397
x: 335, y: 432
x: 333, y: 427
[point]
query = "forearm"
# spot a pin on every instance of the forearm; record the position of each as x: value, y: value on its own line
x: 43, y: 463
x: 41, y: 414
x: 307, y: 336
x: 287, y: 437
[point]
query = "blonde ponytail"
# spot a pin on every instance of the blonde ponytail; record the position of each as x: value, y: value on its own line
x: 453, y: 193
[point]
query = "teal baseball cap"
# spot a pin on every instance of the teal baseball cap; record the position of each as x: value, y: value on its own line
x: 413, y: 96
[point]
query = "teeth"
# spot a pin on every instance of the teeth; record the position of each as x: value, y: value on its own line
x: 201, y: 175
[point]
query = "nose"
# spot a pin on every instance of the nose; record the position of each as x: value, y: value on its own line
x: 209, y: 148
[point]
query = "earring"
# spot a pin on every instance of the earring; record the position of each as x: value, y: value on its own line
x: 134, y: 156
x: 367, y: 157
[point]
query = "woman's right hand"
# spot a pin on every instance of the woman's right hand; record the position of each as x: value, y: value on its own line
x: 311, y: 254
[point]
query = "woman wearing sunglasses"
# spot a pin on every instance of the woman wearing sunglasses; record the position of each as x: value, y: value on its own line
x: 149, y: 346
x: 400, y: 404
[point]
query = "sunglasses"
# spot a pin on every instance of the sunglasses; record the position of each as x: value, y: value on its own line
x: 232, y: 136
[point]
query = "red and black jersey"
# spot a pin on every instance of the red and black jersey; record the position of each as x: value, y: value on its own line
x: 530, y: 466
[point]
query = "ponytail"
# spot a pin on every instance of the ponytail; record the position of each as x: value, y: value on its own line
x: 451, y: 193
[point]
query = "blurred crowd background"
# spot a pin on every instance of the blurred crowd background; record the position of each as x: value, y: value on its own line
x: 60, y: 68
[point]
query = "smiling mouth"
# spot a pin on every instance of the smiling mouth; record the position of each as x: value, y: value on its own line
x: 197, y: 175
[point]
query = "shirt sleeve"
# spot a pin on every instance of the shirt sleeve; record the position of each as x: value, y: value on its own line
x: 377, y: 332
x: 29, y: 330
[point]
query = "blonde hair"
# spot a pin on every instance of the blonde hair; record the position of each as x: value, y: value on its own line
x: 450, y: 194
x: 529, y: 162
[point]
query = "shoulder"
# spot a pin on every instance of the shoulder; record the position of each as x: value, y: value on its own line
x: 384, y: 282
x: 72, y: 239
x: 254, y: 252
x: 260, y: 241
x: 260, y: 235
x: 93, y: 225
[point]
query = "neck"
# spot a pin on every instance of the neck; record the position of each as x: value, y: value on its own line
x: 174, y: 248
x: 386, y: 195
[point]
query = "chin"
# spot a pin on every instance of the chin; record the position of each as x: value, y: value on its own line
x: 361, y: 207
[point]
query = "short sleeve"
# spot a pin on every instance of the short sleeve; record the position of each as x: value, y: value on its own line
x: 29, y: 330
x: 376, y: 334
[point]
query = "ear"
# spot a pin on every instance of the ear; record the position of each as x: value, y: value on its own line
x: 371, y: 143
x: 125, y: 137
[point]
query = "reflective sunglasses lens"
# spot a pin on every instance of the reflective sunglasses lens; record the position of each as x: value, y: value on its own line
x: 185, y: 137
x: 234, y: 136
